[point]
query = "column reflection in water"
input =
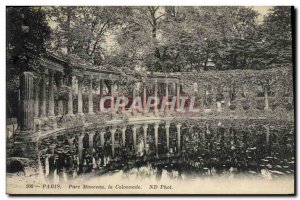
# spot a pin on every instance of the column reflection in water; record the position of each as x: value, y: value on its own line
x: 202, y: 150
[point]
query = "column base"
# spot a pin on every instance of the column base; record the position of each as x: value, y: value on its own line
x: 68, y: 118
x: 80, y: 114
x: 207, y: 110
x: 25, y: 147
x: 134, y: 113
x: 52, y: 122
x: 168, y: 113
x: 69, y: 115
x: 43, y: 118
x: 36, y: 124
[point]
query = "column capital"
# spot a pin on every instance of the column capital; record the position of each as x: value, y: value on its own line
x: 80, y: 77
x: 178, y: 125
x: 110, y: 77
x: 91, y: 133
x: 113, y: 130
x: 81, y: 136
x: 167, y: 124
x: 156, y: 125
x: 135, y: 127
x: 145, y: 126
x: 69, y: 89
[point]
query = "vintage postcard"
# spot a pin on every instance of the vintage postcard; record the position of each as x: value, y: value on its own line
x: 143, y: 100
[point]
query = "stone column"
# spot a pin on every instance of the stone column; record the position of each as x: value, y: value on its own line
x: 51, y: 161
x: 267, y: 136
x: 239, y: 106
x: 113, y: 131
x: 214, y: 99
x: 112, y: 104
x: 156, y: 125
x: 70, y: 142
x: 43, y: 95
x: 177, y: 96
x: 145, y: 98
x: 226, y: 94
x: 80, y: 147
x: 52, y: 148
x: 123, y: 136
x: 134, y: 137
x: 80, y: 102
x: 266, y: 97
x: 101, y: 84
x: 51, y: 114
x: 145, y: 127
x: 133, y: 98
x: 91, y: 106
x: 252, y: 98
x: 102, y: 139
x: 155, y: 95
x: 36, y: 100
x: 26, y: 103
x: 124, y: 106
x: 60, y: 103
x: 47, y: 166
x: 167, y: 97
x: 70, y: 101
x: 202, y: 97
x: 51, y: 95
x: 173, y: 89
x: 91, y: 143
x: 168, y: 134
x: 218, y: 102
x: 178, y: 126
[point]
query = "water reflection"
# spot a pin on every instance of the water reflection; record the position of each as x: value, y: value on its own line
x: 205, y: 152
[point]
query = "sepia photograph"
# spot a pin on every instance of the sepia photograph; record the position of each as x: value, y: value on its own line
x: 150, y: 100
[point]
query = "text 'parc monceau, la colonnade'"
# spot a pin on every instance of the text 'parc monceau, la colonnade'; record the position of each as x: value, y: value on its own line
x: 41, y: 114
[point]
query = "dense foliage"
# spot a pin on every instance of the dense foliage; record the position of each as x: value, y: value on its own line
x: 27, y: 32
x: 166, y: 39
x: 174, y: 39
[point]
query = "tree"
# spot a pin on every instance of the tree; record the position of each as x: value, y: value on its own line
x: 27, y: 32
x: 137, y: 38
x: 276, y: 38
x: 170, y: 39
x: 82, y: 31
x: 173, y: 39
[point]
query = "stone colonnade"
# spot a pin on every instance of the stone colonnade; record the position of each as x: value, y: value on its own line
x: 38, y: 102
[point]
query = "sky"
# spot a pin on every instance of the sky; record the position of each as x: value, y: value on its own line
x: 262, y: 10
